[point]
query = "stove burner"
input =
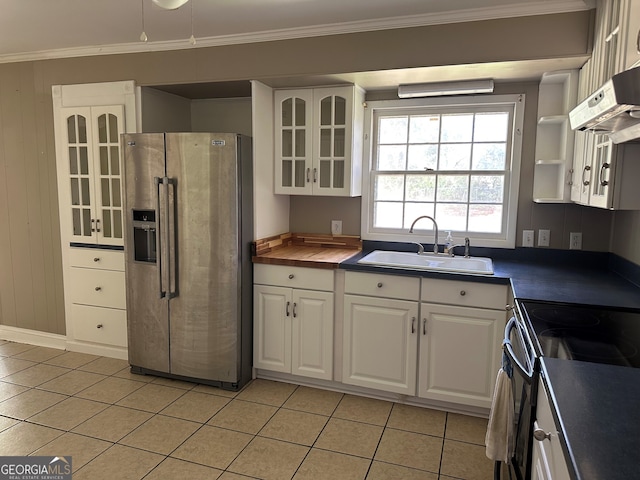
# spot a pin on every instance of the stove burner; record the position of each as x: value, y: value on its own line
x: 564, y: 316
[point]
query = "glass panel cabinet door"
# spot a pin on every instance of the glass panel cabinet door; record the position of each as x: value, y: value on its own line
x: 293, y: 141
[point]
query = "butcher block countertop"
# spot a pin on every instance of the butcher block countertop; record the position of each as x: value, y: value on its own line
x: 306, y: 250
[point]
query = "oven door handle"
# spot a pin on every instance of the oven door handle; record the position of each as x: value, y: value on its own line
x: 508, y: 349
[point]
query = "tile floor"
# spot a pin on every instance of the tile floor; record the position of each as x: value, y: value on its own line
x: 117, y: 425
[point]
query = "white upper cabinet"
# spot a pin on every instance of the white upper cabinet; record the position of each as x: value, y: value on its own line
x: 318, y: 141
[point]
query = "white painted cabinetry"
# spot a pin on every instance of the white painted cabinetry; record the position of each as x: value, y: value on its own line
x: 548, y: 462
x: 460, y: 336
x: 293, y: 320
x: 318, y: 141
x: 380, y: 331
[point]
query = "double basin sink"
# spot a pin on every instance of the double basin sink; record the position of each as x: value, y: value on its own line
x: 429, y: 261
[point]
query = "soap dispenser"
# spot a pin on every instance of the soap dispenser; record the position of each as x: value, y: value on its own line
x: 448, y: 243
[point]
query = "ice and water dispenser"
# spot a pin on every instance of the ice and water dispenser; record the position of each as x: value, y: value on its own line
x: 144, y: 236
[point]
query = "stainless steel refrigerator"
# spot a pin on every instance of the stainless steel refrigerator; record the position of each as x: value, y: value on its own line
x: 188, y: 204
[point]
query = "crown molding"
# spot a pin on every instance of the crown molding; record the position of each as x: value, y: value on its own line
x: 409, y: 21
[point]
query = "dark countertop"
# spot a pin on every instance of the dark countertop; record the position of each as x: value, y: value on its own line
x: 596, y: 407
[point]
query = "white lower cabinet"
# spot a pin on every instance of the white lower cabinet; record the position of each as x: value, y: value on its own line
x: 548, y: 462
x: 293, y: 320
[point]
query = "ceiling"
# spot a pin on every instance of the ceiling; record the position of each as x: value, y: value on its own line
x: 43, y: 29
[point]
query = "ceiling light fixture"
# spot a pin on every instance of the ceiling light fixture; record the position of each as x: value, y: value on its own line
x: 170, y: 4
x: 438, y: 89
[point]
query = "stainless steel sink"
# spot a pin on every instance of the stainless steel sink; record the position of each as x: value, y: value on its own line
x: 429, y: 261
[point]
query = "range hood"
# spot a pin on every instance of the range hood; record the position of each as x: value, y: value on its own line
x: 614, y: 109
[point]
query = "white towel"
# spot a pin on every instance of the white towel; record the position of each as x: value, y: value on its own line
x: 499, y: 438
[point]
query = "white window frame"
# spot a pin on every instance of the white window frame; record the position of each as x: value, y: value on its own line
x: 507, y: 239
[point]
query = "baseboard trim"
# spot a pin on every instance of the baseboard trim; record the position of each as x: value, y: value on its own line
x: 93, y: 349
x: 33, y: 337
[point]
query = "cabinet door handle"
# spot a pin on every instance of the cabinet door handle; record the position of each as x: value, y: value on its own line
x: 287, y: 308
x: 97, y: 289
x: 294, y: 310
x: 315, y: 175
x: 540, y: 435
x: 308, y: 172
x: 379, y: 284
x: 413, y: 324
x: 291, y: 275
x: 585, y: 170
x: 98, y: 225
x: 96, y: 259
x: 424, y: 326
x: 462, y: 293
x: 99, y: 325
x: 93, y: 222
x: 604, y: 183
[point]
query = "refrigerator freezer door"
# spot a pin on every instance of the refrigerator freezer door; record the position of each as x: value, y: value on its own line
x: 147, y: 309
x: 205, y: 311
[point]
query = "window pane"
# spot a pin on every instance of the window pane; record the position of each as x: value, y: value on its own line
x: 387, y: 215
x: 392, y: 157
x: 104, y: 161
x: 389, y: 187
x: 287, y: 112
x: 452, y: 216
x: 415, y: 210
x: 325, y: 111
x: 300, y: 143
x: 491, y: 127
x: 71, y: 129
x: 423, y: 157
x: 487, y: 188
x: 424, y: 129
x: 300, y: 112
x: 325, y: 142
x: 489, y: 156
x: 300, y: 174
x: 115, y: 160
x: 287, y: 173
x: 340, y: 115
x: 287, y: 143
x: 393, y: 130
x: 106, y: 223
x: 338, y: 142
x: 338, y: 174
x: 485, y: 218
x: 115, y: 188
x: 84, y: 161
x: 455, y: 156
x: 102, y: 128
x: 452, y: 188
x: 421, y: 188
x: 117, y: 224
x: 325, y: 173
x: 113, y: 128
x: 82, y: 129
x: 73, y: 161
x: 457, y: 128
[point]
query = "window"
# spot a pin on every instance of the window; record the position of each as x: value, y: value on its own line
x: 456, y: 160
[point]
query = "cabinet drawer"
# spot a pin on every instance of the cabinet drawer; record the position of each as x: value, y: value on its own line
x: 295, y: 277
x: 99, y: 325
x: 470, y: 294
x: 102, y: 288
x: 97, y: 258
x: 378, y: 285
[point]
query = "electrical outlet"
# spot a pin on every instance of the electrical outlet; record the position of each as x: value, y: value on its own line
x: 527, y: 238
x: 575, y: 241
x: 336, y: 227
x: 543, y: 238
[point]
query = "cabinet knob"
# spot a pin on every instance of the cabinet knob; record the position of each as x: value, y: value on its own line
x: 99, y: 325
x: 291, y: 276
x: 98, y: 289
x: 379, y: 284
x: 463, y: 293
x: 541, y: 435
x: 96, y: 259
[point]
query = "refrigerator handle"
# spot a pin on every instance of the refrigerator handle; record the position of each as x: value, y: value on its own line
x: 158, y: 182
x: 171, y: 246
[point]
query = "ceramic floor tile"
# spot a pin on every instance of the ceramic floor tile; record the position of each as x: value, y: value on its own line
x: 11, y: 365
x: 81, y: 449
x: 35, y: 375
x: 28, y: 403
x: 194, y: 406
x: 160, y: 434
x: 417, y: 419
x: 8, y: 390
x: 212, y: 446
x: 24, y: 438
x: 362, y: 409
x: 6, y: 422
x: 72, y: 382
x: 71, y: 359
x: 466, y: 428
x: 151, y: 398
x: 39, y: 354
x: 126, y: 373
x: 172, y: 468
x: 11, y: 348
x: 295, y: 427
x: 234, y: 476
x: 241, y: 416
x: 68, y: 414
x: 267, y: 392
x: 352, y: 438
x: 410, y: 450
x: 123, y: 463
x: 464, y: 460
x: 387, y: 471
x: 110, y: 390
x: 314, y: 400
x: 269, y: 459
x: 215, y: 391
x: 113, y: 423
x: 323, y: 465
x: 104, y: 365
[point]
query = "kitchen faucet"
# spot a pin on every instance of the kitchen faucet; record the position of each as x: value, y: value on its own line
x: 435, y: 228
x: 466, y: 248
